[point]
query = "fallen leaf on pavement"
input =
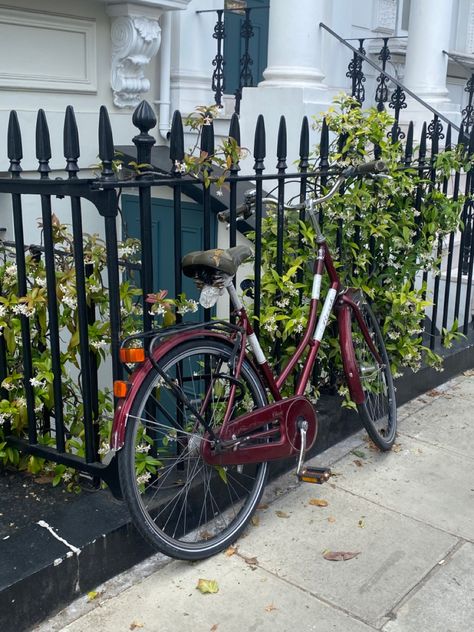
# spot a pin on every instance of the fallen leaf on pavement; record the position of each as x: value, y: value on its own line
x: 282, y: 514
x: 469, y: 372
x: 136, y: 624
x: 361, y: 523
x: 331, y: 519
x: 359, y: 453
x: 396, y: 447
x: 231, y: 551
x: 93, y: 594
x: 270, y: 607
x: 318, y: 502
x: 255, y: 520
x: 251, y: 561
x: 433, y: 393
x: 207, y: 586
x: 358, y: 462
x: 340, y: 556
x: 214, y: 627
x: 262, y: 506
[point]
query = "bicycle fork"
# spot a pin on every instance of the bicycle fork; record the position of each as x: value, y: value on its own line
x: 306, y: 473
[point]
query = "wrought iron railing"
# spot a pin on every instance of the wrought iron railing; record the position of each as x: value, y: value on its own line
x: 246, y: 75
x: 398, y: 98
x: 103, y: 192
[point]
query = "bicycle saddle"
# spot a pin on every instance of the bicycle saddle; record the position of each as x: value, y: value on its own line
x: 207, y: 265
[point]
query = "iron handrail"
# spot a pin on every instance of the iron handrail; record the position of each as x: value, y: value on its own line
x: 456, y: 59
x: 398, y: 83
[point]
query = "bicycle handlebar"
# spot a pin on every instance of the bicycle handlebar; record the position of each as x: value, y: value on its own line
x: 246, y: 209
x: 365, y: 169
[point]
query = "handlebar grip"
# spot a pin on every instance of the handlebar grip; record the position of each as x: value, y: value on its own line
x: 243, y: 210
x: 366, y: 168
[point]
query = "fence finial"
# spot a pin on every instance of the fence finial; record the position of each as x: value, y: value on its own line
x: 207, y: 136
x: 447, y: 146
x: 15, y: 149
x: 323, y: 145
x: 282, y: 144
x: 106, y: 144
x: 176, y: 141
x: 234, y: 132
x: 422, y: 151
x: 259, y: 143
x: 234, y: 129
x: 71, y: 142
x: 43, y: 144
x: 143, y: 117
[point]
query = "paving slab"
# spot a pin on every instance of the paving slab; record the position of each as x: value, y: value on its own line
x: 249, y: 599
x: 418, y: 480
x: 395, y: 552
x: 449, y: 424
x: 443, y: 604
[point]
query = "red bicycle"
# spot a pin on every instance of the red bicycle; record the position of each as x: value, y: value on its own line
x: 201, y: 417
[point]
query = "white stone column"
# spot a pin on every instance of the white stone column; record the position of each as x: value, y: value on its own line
x: 428, y: 35
x: 294, y: 44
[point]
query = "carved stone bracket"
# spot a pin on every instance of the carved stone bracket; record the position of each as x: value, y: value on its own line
x: 136, y: 37
x: 135, y: 41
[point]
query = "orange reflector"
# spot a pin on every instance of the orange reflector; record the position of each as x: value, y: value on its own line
x: 120, y: 388
x: 132, y: 356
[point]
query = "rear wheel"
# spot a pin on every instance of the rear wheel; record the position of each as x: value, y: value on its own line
x: 378, y: 411
x: 184, y: 507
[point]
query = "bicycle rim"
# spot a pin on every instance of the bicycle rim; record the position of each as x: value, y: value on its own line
x: 184, y: 507
x: 379, y: 410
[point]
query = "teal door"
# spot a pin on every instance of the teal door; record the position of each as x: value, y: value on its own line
x: 192, y: 238
x: 234, y: 44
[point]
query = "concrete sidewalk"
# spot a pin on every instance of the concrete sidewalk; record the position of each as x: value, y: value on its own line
x: 409, y: 514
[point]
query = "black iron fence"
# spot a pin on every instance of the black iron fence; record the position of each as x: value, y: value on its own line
x: 452, y: 299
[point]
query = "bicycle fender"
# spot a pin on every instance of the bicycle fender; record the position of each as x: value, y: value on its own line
x: 349, y: 362
x: 136, y: 379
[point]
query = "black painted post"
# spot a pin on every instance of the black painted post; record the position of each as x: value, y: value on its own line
x: 15, y: 155
x: 449, y: 263
x: 259, y: 166
x: 207, y: 149
x: 43, y: 153
x: 144, y: 119
x: 177, y: 157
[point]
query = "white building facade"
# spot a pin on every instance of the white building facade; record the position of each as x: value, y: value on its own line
x: 93, y: 52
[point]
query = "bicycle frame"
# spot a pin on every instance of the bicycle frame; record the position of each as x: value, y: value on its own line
x: 344, y: 303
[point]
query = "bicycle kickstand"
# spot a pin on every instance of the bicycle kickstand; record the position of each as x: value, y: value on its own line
x: 306, y: 473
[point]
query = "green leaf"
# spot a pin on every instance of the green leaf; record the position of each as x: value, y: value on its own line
x: 207, y: 586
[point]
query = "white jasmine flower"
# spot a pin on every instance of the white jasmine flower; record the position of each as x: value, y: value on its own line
x: 143, y: 448
x: 70, y: 301
x: 35, y: 382
x: 40, y: 282
x: 99, y: 344
x: 3, y: 310
x: 143, y: 478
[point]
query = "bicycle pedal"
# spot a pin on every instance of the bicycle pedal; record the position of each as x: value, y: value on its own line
x: 318, y: 475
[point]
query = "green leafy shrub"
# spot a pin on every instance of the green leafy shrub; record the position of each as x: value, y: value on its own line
x: 34, y: 305
x: 386, y: 242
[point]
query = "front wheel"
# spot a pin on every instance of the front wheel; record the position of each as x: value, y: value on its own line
x: 378, y: 411
x: 184, y: 507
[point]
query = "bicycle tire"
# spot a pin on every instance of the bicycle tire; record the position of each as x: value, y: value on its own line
x: 378, y: 411
x: 184, y: 507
